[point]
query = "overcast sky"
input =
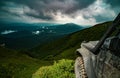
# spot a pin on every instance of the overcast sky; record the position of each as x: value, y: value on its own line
x: 82, y: 12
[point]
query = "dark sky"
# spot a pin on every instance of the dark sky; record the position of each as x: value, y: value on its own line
x: 82, y: 12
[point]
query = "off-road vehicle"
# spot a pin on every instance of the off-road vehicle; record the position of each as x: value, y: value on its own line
x: 100, y: 59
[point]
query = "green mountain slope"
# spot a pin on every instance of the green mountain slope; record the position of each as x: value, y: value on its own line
x: 14, y: 64
x: 65, y: 47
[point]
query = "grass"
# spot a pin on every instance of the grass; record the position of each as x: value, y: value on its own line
x: 16, y: 65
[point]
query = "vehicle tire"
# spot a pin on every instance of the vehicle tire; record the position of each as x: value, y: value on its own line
x: 80, y: 68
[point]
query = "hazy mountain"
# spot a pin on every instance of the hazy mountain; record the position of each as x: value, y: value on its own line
x: 24, y: 36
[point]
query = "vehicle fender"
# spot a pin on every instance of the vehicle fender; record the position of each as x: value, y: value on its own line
x: 89, y: 60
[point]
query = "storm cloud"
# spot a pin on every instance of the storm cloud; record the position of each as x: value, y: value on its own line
x: 83, y: 12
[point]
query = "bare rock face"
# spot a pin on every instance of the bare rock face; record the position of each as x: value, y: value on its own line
x: 2, y: 45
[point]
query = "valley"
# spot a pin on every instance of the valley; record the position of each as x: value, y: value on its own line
x: 26, y: 36
x: 57, y: 54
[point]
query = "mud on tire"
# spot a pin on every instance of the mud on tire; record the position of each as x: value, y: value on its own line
x: 80, y: 68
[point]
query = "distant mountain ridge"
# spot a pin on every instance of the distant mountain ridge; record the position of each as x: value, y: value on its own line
x: 25, y: 36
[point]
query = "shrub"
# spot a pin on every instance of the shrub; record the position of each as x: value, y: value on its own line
x: 62, y: 69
